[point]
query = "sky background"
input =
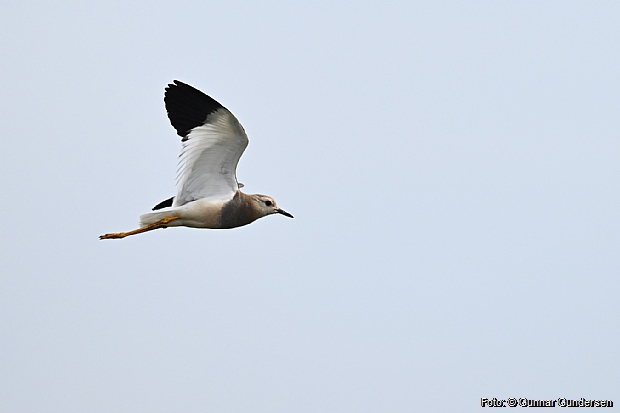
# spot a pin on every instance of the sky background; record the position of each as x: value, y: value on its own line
x: 452, y: 168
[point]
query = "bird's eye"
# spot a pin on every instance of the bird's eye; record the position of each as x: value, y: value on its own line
x: 268, y: 203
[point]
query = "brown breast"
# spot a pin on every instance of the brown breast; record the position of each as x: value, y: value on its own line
x: 238, y: 211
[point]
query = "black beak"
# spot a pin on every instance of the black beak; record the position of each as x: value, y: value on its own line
x: 283, y: 212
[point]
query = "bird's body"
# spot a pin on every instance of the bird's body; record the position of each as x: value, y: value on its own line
x: 243, y: 209
x: 208, y: 194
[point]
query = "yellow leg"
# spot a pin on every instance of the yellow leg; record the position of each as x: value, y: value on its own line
x: 159, y: 224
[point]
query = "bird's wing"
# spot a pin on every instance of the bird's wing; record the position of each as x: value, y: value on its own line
x: 213, y: 141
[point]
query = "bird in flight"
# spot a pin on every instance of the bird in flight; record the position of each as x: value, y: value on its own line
x: 208, y: 194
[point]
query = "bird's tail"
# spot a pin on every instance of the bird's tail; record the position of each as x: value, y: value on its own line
x: 153, y: 217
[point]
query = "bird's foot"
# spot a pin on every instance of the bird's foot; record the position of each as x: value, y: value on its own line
x: 159, y: 224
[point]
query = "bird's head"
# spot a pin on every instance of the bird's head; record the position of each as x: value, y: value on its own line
x: 267, y: 205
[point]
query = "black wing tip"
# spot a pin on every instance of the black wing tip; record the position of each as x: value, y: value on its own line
x: 163, y: 204
x: 187, y: 106
x: 177, y: 83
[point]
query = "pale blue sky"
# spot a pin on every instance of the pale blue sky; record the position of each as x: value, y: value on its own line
x: 452, y: 168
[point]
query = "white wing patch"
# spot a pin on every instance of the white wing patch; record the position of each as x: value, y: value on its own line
x: 208, y: 160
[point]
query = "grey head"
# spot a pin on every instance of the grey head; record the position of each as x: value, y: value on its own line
x: 265, y: 205
x: 246, y: 208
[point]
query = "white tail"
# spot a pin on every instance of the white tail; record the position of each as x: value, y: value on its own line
x: 153, y: 217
